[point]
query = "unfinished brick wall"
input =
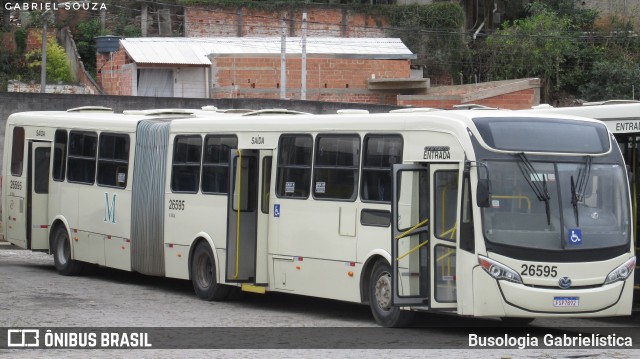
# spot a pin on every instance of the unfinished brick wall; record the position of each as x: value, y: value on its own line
x: 328, y: 79
x: 113, y: 74
x: 247, y: 22
x: 8, y: 41
x: 34, y: 38
x: 518, y: 100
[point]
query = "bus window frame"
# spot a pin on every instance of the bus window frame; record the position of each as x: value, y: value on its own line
x: 76, y: 157
x: 17, y: 151
x: 378, y: 169
x: 215, y: 164
x: 173, y: 163
x: 356, y: 168
x: 280, y: 167
x: 113, y: 160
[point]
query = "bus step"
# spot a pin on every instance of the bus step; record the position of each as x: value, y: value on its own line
x: 253, y: 288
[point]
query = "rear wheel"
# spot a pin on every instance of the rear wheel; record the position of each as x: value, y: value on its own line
x: 203, y: 274
x: 380, y: 299
x: 62, y: 253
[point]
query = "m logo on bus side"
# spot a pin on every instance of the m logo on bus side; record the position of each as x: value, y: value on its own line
x: 109, y: 208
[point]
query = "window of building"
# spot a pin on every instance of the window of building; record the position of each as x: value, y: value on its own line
x: 81, y: 166
x: 59, y: 155
x: 294, y: 166
x: 17, y: 151
x: 336, y: 167
x: 215, y: 163
x: 185, y: 175
x: 380, y: 152
x: 113, y: 160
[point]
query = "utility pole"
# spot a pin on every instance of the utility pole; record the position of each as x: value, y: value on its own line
x: 43, y: 68
x: 303, y: 65
x: 283, y: 60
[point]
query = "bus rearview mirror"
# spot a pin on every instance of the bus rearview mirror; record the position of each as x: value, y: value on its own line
x: 483, y: 192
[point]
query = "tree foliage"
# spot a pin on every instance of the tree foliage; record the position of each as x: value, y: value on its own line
x: 612, y: 80
x: 536, y: 46
x: 86, y: 44
x: 57, y: 66
x: 433, y: 32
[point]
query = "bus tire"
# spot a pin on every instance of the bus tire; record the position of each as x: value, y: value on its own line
x: 380, y: 299
x: 62, y: 254
x: 203, y: 275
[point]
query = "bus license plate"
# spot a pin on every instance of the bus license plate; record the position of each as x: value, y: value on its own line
x: 566, y: 301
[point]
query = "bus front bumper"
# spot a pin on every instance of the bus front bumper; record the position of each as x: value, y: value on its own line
x: 505, y: 299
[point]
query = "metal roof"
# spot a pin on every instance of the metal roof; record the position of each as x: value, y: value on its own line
x: 196, y: 51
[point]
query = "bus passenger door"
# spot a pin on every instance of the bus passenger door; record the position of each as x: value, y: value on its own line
x: 423, y: 244
x: 38, y: 194
x: 410, y: 235
x: 247, y: 222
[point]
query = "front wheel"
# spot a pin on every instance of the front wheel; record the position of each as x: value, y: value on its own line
x: 380, y: 299
x: 203, y: 275
x: 62, y: 254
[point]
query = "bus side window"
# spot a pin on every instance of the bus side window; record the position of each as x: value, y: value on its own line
x: 294, y: 166
x: 113, y: 160
x: 380, y: 153
x: 215, y: 163
x: 336, y: 167
x: 81, y: 167
x: 17, y: 151
x: 185, y: 174
x: 59, y: 155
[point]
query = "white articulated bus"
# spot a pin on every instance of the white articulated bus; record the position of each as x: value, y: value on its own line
x: 476, y: 213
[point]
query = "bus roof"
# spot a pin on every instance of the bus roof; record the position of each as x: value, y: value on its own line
x: 621, y: 117
x: 455, y: 121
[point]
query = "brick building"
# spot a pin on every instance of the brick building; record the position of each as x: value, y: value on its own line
x: 337, y: 69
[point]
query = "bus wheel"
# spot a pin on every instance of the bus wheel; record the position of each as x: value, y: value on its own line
x: 62, y: 254
x: 203, y: 274
x: 380, y: 299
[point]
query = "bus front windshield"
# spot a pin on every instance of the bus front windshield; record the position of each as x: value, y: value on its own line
x: 555, y: 205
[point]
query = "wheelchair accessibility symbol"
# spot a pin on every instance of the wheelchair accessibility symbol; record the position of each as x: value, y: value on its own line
x: 575, y: 236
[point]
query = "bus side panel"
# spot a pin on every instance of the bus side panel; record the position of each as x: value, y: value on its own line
x: 187, y: 215
x: 116, y: 223
x: 313, y: 229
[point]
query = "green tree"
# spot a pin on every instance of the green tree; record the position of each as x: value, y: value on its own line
x: 57, y: 65
x: 612, y: 80
x: 433, y: 32
x: 86, y: 44
x: 536, y: 46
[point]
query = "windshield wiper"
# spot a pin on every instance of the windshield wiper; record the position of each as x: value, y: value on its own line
x: 579, y: 186
x: 536, y: 181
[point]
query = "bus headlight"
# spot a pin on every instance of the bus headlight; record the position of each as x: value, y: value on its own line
x: 623, y: 272
x: 499, y: 271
